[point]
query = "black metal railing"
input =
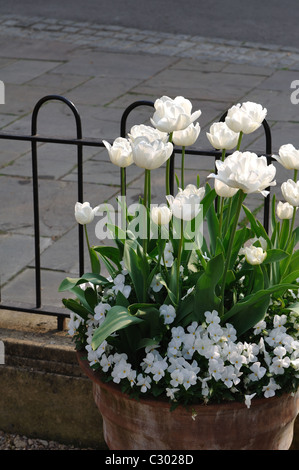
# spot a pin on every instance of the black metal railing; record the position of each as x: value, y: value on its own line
x: 81, y: 142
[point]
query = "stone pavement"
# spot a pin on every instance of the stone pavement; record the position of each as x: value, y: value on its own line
x: 103, y: 70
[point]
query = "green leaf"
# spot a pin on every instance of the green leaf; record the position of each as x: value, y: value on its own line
x: 294, y: 307
x: 205, y: 298
x: 68, y: 283
x: 77, y: 308
x: 256, y: 226
x: 94, y: 261
x: 116, y: 319
x: 249, y: 311
x: 274, y: 255
x: 137, y: 267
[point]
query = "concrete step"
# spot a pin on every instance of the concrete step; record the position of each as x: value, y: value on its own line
x: 43, y: 391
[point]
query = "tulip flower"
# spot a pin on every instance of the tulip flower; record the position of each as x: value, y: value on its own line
x: 290, y: 191
x: 84, y: 214
x: 187, y: 136
x: 161, y: 215
x: 246, y: 171
x: 288, y: 157
x: 223, y: 190
x: 186, y: 204
x: 254, y: 254
x: 151, y: 133
x: 222, y: 137
x: 150, y: 154
x: 120, y: 152
x: 284, y: 210
x: 245, y: 118
x: 173, y: 114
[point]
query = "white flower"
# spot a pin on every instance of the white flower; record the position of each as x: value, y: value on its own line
x: 119, y: 286
x: 170, y: 393
x: 186, y: 204
x: 150, y: 154
x: 161, y: 215
x: 156, y: 284
x: 216, y: 368
x: 269, y: 390
x: 222, y: 137
x: 290, y: 191
x: 186, y: 137
x: 121, y: 370
x: 261, y: 325
x: 246, y: 171
x: 288, y: 157
x: 120, y: 152
x: 173, y: 114
x: 248, y: 399
x: 223, y: 190
x: 279, y: 364
x: 245, y: 118
x: 229, y: 376
x: 212, y: 317
x: 84, y: 214
x: 258, y: 371
x: 100, y: 311
x: 284, y: 210
x: 168, y: 313
x: 177, y: 378
x: 150, y: 132
x: 144, y: 382
x: 254, y: 254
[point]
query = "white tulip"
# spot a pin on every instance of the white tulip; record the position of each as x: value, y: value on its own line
x: 120, y: 152
x: 284, y: 210
x: 290, y: 191
x: 150, y: 154
x: 173, y: 114
x: 161, y: 215
x: 254, y: 254
x: 222, y: 137
x: 150, y: 132
x: 246, y: 171
x: 84, y: 213
x: 223, y: 190
x: 288, y: 157
x: 186, y: 204
x: 245, y: 118
x: 187, y: 136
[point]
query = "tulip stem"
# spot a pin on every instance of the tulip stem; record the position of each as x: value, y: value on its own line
x: 180, y: 249
x: 239, y: 141
x: 229, y: 250
x: 123, y: 181
x: 145, y: 203
x: 294, y: 214
x: 167, y: 182
x: 183, y: 168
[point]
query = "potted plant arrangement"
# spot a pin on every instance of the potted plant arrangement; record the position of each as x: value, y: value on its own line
x: 192, y: 339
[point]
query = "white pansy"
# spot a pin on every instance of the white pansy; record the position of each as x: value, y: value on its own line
x: 168, y: 313
x: 222, y: 137
x: 246, y: 171
x: 120, y: 152
x: 173, y: 114
x: 156, y: 284
x: 246, y: 117
x: 248, y: 399
x: 288, y: 157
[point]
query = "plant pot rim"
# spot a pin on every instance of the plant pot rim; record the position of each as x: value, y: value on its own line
x: 95, y: 376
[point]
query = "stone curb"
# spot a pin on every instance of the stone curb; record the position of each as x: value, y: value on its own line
x: 117, y: 38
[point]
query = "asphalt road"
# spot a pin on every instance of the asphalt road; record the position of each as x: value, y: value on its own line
x: 266, y: 21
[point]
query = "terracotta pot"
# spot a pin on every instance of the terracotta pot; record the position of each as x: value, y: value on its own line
x: 148, y: 424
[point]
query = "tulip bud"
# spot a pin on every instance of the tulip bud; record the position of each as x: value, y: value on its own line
x: 150, y: 155
x: 173, y: 114
x: 187, y: 136
x: 120, y: 152
x: 186, y: 204
x: 223, y: 190
x: 84, y: 214
x: 284, y: 210
x: 245, y: 118
x: 288, y: 157
x: 161, y: 215
x: 290, y: 191
x: 254, y: 254
x: 222, y: 137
